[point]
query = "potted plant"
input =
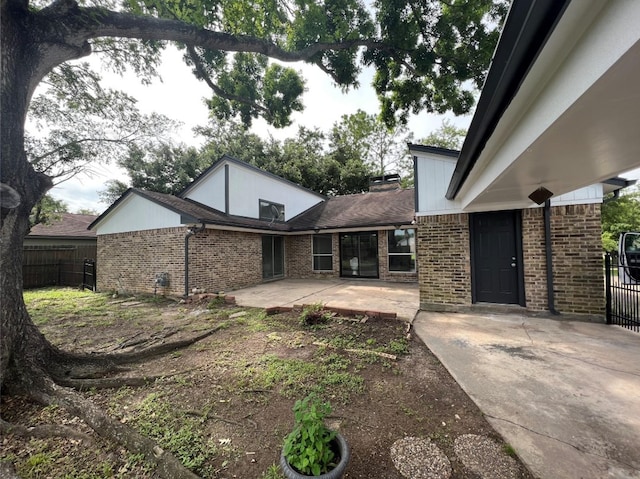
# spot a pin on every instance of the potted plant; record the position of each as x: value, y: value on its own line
x: 311, y: 449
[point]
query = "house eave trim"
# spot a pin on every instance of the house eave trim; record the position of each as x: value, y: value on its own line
x: 526, y: 31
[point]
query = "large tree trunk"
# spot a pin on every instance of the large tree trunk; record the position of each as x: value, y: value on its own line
x: 20, y: 340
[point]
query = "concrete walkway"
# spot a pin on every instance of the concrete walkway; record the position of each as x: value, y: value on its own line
x: 565, y: 395
x: 366, y: 295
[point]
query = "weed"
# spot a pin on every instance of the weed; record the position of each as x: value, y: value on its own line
x: 314, y: 314
x: 272, y: 472
x: 509, y: 450
x: 399, y: 346
x: 38, y: 463
x: 179, y: 435
x: 296, y: 377
x: 216, y: 302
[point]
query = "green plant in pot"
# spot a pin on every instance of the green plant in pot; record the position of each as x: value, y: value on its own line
x: 311, y: 449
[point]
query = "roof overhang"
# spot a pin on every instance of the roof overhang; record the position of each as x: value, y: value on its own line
x: 567, y: 120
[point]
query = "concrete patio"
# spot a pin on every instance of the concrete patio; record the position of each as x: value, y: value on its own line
x: 366, y: 295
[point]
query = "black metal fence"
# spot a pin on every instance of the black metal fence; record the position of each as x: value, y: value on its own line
x: 89, y: 275
x: 623, y: 295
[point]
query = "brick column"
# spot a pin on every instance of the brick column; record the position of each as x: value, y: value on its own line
x: 444, y: 263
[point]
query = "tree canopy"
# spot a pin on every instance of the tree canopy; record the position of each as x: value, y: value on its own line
x: 619, y: 215
x: 337, y: 162
x: 446, y: 136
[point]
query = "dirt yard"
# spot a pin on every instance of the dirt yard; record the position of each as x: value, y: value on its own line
x: 224, y: 404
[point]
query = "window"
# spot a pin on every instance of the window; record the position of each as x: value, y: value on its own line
x: 271, y: 211
x: 322, y: 253
x: 402, y: 250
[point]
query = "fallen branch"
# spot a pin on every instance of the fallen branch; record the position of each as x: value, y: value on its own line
x: 106, y: 383
x: 154, y: 338
x: 67, y: 366
x: 358, y: 351
x: 43, y: 431
x: 207, y: 416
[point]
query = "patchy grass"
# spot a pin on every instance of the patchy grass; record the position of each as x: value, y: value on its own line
x: 223, y: 406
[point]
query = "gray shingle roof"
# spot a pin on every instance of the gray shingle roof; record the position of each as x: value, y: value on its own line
x: 65, y: 225
x: 380, y: 208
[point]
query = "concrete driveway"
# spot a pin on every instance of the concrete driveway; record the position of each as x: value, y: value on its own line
x: 367, y: 295
x: 565, y: 395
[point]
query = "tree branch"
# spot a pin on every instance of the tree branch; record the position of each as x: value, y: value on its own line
x: 216, y: 89
x: 99, y: 22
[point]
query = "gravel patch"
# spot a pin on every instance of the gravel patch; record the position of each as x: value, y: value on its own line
x: 419, y: 458
x: 485, y: 457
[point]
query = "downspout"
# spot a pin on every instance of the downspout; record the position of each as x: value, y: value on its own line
x: 190, y: 232
x: 551, y: 299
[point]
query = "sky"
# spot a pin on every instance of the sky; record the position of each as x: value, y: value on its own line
x: 181, y: 97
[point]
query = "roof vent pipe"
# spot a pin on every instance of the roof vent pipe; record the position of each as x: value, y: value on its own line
x: 190, y: 232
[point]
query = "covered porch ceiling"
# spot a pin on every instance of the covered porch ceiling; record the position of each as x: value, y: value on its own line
x: 575, y: 119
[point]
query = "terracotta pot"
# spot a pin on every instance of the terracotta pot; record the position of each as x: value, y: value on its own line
x: 342, y: 450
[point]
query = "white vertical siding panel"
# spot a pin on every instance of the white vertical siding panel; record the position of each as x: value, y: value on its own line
x: 210, y: 191
x: 137, y: 214
x: 589, y: 194
x: 434, y: 177
x: 247, y: 187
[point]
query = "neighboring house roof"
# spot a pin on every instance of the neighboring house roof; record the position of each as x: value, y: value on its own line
x: 380, y: 208
x: 243, y: 164
x: 65, y: 226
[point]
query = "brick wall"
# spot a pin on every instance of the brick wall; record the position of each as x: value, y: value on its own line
x: 576, y: 232
x: 218, y: 260
x: 128, y: 262
x: 299, y: 261
x: 535, y: 260
x: 225, y: 260
x: 444, y: 269
x: 300, y: 265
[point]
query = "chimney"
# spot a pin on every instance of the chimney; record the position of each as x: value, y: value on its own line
x: 387, y: 182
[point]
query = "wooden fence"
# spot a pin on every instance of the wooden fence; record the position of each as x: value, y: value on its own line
x: 54, y: 265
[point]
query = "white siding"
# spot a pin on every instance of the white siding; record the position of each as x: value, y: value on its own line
x: 590, y: 194
x: 247, y: 187
x: 433, y: 176
x: 136, y: 213
x: 210, y: 190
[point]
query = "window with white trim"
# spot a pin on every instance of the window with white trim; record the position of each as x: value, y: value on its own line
x: 402, y: 250
x: 322, y: 252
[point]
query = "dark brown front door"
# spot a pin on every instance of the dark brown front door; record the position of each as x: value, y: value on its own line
x: 496, y: 257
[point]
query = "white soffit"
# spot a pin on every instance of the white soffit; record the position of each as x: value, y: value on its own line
x: 574, y: 121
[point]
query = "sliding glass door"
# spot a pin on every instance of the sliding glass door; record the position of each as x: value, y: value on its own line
x: 272, y: 257
x: 359, y: 255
